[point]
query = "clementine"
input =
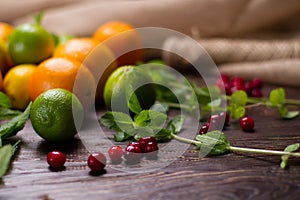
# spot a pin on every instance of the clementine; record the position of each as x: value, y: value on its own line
x: 62, y: 73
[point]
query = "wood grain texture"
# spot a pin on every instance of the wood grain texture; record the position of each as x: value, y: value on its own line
x: 231, y: 176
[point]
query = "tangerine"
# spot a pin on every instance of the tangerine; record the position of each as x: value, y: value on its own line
x: 62, y: 73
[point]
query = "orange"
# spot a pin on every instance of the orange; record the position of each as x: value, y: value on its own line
x: 62, y: 73
x: 99, y: 59
x: 16, y: 85
x: 76, y: 48
x: 121, y: 37
x: 5, y: 31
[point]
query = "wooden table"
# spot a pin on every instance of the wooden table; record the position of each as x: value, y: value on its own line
x: 231, y: 176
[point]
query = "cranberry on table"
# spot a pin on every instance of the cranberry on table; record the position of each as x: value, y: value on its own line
x: 132, y: 153
x: 255, y: 93
x: 144, y: 140
x: 247, y: 124
x: 115, y: 153
x: 204, y: 128
x: 257, y: 83
x: 96, y: 162
x: 225, y: 116
x: 56, y: 160
x: 151, y: 147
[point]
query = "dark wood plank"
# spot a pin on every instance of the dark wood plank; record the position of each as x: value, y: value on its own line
x: 188, y: 176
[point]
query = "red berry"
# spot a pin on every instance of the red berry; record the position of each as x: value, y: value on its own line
x: 96, y: 162
x: 204, y: 128
x: 257, y: 83
x: 144, y: 140
x: 132, y: 153
x: 255, y: 93
x: 236, y: 87
x: 225, y: 78
x: 215, y: 123
x: 237, y: 81
x: 151, y: 147
x: 249, y: 87
x: 225, y: 116
x: 115, y: 153
x: 247, y: 124
x: 56, y: 159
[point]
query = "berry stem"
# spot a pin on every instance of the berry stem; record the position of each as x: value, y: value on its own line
x: 262, y: 151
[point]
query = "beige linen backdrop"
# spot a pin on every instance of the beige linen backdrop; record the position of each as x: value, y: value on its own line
x: 249, y: 32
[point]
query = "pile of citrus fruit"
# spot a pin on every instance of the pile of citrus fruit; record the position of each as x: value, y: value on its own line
x: 39, y: 66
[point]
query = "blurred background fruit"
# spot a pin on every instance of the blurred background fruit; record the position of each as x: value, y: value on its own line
x: 5, y: 31
x: 62, y: 73
x: 16, y: 85
x: 123, y: 38
x: 52, y: 112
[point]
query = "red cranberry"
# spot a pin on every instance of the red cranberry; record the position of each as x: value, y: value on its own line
x: 215, y: 123
x: 237, y: 87
x: 151, y: 147
x: 256, y: 93
x: 56, y: 159
x: 96, y: 162
x: 247, y: 124
x: 225, y: 78
x: 132, y: 153
x: 237, y: 81
x: 225, y: 116
x: 204, y: 128
x: 136, y: 144
x: 144, y: 140
x: 257, y: 83
x: 249, y: 87
x: 115, y: 153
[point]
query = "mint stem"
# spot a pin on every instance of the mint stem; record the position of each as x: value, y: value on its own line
x: 185, y: 140
x: 263, y: 151
x: 240, y: 149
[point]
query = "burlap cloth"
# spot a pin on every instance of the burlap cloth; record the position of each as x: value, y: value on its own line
x: 252, y: 38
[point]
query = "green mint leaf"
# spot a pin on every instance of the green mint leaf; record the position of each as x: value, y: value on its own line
x: 176, y: 124
x: 163, y: 135
x: 160, y: 107
x: 284, y: 158
x: 150, y: 118
x: 6, y: 113
x: 13, y: 126
x: 146, y: 131
x: 4, y: 100
x: 5, y: 157
x: 277, y: 97
x: 15, y: 147
x: 117, y: 121
x: 236, y: 111
x: 121, y: 136
x: 291, y: 114
x: 239, y: 98
x: 133, y: 103
x: 213, y: 143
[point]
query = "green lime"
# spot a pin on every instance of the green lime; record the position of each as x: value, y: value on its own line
x: 30, y: 43
x: 52, y: 113
x: 123, y: 83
